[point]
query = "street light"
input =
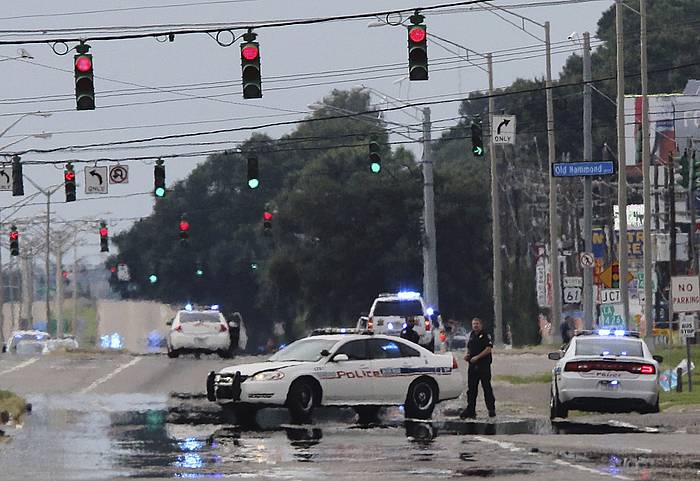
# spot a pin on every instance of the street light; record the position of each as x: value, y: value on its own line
x: 21, y: 53
x: 42, y: 135
x: 28, y: 114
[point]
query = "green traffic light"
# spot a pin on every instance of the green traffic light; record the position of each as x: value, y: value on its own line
x: 199, y: 272
x: 160, y: 191
x: 478, y: 151
x: 376, y: 167
x: 253, y: 266
x: 253, y: 183
x: 153, y: 278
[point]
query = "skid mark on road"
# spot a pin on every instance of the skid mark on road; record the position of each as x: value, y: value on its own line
x: 514, y: 449
x: 110, y: 375
x: 20, y: 365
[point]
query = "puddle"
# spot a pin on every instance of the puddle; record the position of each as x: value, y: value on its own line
x: 490, y: 472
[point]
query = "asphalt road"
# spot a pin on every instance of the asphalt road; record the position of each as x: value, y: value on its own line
x: 109, y: 416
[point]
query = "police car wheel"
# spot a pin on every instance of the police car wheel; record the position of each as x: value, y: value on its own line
x: 556, y: 410
x: 421, y: 399
x: 173, y: 353
x: 211, y: 385
x: 300, y: 400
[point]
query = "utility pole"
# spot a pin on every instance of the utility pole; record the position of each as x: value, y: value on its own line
x: 59, y: 289
x: 48, y: 251
x: 495, y: 220
x: 430, y: 281
x: 672, y: 225
x: 646, y: 173
x: 2, y: 292
x: 553, y: 219
x: 74, y: 327
x: 587, y: 182
x: 621, y: 162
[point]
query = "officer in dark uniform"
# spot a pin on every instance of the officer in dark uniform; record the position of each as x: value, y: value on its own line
x: 479, y: 349
x: 409, y: 333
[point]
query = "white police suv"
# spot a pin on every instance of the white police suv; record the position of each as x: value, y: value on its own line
x: 197, y: 331
x: 359, y: 370
x: 604, y: 371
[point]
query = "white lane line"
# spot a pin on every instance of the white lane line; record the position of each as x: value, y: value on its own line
x: 20, y: 365
x: 513, y: 448
x: 110, y: 375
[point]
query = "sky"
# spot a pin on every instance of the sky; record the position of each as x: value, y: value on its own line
x: 151, y: 87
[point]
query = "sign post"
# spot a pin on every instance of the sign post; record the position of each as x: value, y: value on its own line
x: 685, y: 297
x: 688, y: 331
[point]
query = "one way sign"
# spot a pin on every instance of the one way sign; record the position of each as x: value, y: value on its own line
x: 503, y: 129
x: 96, y: 180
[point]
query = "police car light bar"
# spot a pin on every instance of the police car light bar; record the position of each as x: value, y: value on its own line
x: 408, y: 295
x: 607, y: 332
x: 188, y: 307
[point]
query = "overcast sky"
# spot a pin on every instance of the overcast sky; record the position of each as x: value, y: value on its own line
x: 124, y: 68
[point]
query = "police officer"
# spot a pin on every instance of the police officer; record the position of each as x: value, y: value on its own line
x: 479, y: 349
x: 409, y: 333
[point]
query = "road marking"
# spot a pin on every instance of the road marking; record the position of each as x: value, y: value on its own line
x: 20, y: 365
x: 501, y: 444
x: 110, y: 375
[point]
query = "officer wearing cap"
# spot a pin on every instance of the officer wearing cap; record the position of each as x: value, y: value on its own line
x: 479, y: 348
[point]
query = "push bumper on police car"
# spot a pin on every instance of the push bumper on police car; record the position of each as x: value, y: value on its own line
x: 227, y: 388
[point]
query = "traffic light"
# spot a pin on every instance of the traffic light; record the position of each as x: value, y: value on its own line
x: 615, y: 275
x: 696, y: 171
x: 14, y: 241
x: 374, y: 158
x: 104, y: 237
x: 253, y: 180
x: 17, y: 178
x: 84, y: 79
x: 267, y: 221
x: 199, y: 272
x: 159, y: 179
x: 253, y: 266
x: 477, y: 137
x: 184, y: 230
x: 250, y: 66
x: 69, y: 182
x: 417, y: 49
x: 153, y: 278
x: 682, y: 172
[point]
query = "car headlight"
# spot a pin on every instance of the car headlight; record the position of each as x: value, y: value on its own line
x: 268, y: 376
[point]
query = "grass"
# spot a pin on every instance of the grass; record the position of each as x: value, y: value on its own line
x: 12, y: 403
x: 532, y: 379
x: 685, y: 398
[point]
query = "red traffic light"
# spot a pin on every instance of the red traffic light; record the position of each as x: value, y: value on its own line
x: 113, y: 269
x: 14, y: 235
x: 250, y: 52
x: 83, y: 64
x: 104, y: 232
x: 267, y: 215
x: 417, y: 34
x: 69, y: 176
x: 184, y: 226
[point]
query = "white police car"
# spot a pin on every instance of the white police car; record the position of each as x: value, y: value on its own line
x: 359, y: 370
x: 391, y: 311
x: 604, y: 371
x: 198, y: 331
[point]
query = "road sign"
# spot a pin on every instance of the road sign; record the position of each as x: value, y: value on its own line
x: 503, y: 129
x: 587, y: 259
x: 118, y: 174
x: 688, y: 326
x: 5, y: 178
x: 582, y: 169
x: 606, y: 276
x: 573, y: 281
x: 685, y: 293
x: 610, y: 296
x: 96, y: 180
x: 572, y: 295
x: 612, y: 316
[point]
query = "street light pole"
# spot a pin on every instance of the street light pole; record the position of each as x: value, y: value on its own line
x: 646, y: 172
x: 430, y: 282
x: 587, y: 182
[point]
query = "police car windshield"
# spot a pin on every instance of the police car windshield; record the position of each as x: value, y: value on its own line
x: 199, y: 317
x: 398, y: 308
x: 609, y: 347
x: 308, y: 350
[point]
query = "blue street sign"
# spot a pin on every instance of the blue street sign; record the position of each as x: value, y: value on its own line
x: 583, y: 169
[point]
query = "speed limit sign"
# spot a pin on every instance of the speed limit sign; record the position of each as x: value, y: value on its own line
x: 587, y: 259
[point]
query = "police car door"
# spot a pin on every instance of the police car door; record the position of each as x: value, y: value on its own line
x: 348, y: 381
x: 396, y: 364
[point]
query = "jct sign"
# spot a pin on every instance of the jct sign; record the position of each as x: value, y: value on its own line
x: 685, y: 294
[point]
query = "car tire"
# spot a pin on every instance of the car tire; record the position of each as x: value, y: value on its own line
x: 556, y: 408
x: 421, y: 399
x: 367, y: 414
x: 653, y: 408
x: 301, y: 400
x: 225, y: 353
x: 173, y: 353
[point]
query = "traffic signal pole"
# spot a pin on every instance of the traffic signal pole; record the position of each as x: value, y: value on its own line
x: 587, y: 182
x: 495, y: 220
x: 430, y: 282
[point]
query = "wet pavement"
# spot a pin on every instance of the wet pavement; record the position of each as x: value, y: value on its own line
x: 103, y: 417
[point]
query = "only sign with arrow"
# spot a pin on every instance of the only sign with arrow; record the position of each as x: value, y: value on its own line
x: 96, y: 180
x: 503, y: 130
x: 5, y: 178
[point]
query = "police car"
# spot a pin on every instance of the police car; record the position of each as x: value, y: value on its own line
x: 359, y: 370
x: 197, y: 331
x: 390, y: 312
x: 604, y: 371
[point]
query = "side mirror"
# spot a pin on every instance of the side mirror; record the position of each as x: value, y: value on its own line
x: 658, y: 359
x: 554, y: 356
x: 325, y: 353
x: 169, y: 323
x: 340, y: 358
